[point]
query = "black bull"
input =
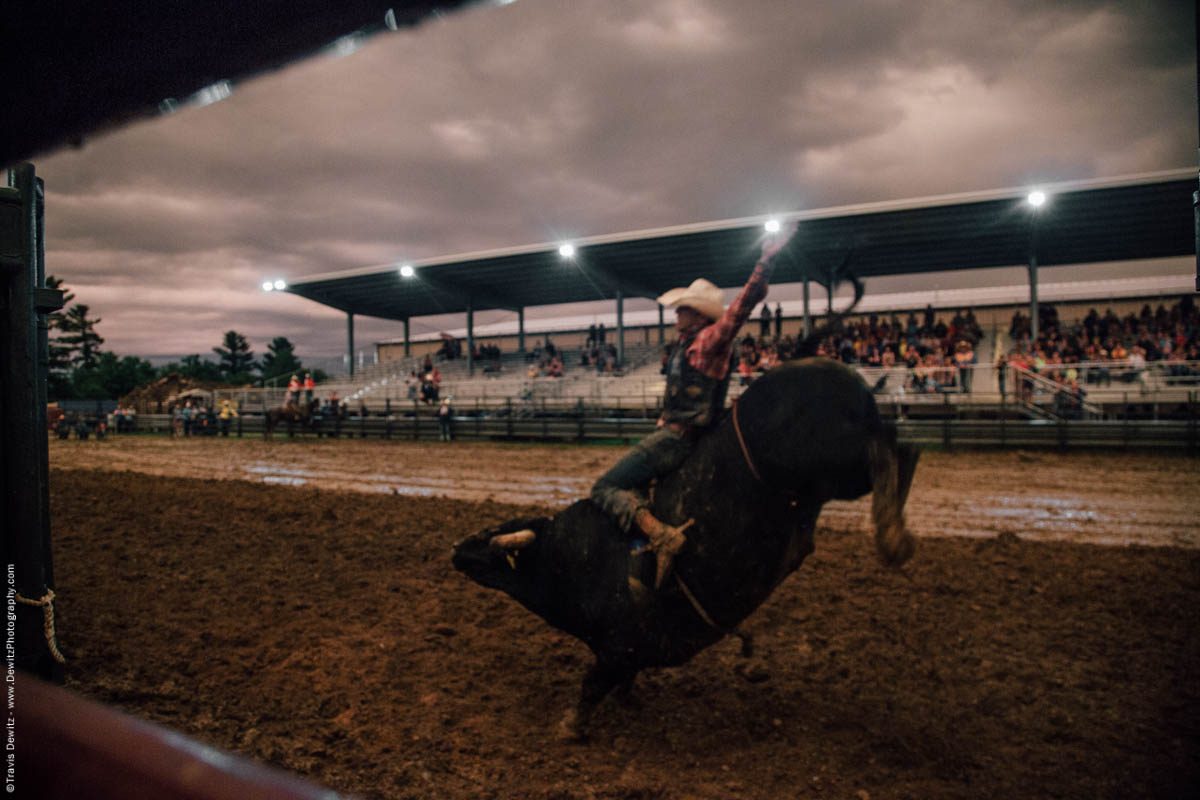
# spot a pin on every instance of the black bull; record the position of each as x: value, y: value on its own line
x: 805, y: 433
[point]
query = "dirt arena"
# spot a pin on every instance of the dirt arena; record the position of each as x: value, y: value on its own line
x: 293, y: 601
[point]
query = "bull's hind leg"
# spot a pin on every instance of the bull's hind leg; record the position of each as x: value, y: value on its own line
x: 601, y: 679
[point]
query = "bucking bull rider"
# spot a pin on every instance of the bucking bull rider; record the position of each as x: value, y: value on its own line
x: 697, y: 380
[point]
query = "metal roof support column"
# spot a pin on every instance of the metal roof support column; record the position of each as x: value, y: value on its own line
x: 350, y: 340
x: 807, y: 320
x: 1033, y: 286
x: 662, y: 334
x: 620, y: 328
x: 407, y: 341
x: 470, y: 340
x: 521, y: 330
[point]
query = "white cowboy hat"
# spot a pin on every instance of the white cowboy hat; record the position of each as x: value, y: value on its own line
x: 702, y: 295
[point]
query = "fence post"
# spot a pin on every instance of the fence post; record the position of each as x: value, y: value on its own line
x: 387, y: 418
x: 1003, y: 419
x: 1125, y: 422
x: 946, y: 422
x: 239, y: 413
x: 508, y: 424
x: 1192, y: 397
x: 416, y: 432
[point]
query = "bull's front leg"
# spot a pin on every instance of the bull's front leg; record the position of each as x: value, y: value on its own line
x: 599, y: 681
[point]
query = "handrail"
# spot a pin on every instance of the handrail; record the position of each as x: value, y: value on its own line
x: 1057, y: 389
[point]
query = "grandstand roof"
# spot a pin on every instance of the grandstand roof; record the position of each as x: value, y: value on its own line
x: 1132, y: 217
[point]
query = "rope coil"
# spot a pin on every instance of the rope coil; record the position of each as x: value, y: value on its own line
x: 46, y: 602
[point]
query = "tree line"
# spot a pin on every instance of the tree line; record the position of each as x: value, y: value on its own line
x: 79, y: 369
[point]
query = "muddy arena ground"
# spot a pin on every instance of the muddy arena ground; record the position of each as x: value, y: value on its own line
x: 294, y: 601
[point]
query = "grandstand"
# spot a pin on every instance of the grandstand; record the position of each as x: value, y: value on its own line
x: 1116, y: 244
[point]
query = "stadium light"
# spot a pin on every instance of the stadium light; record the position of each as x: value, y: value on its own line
x: 1036, y: 198
x: 772, y: 226
x: 280, y: 284
x: 268, y: 286
x: 566, y: 251
x: 406, y: 271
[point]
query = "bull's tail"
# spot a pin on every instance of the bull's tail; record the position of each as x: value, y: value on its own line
x: 808, y: 345
x: 892, y: 470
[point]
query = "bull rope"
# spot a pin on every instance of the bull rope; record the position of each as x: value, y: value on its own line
x: 745, y: 450
x: 47, y: 603
x: 747, y: 641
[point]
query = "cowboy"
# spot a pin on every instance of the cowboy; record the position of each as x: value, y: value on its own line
x: 293, y: 392
x: 309, y: 386
x: 697, y: 378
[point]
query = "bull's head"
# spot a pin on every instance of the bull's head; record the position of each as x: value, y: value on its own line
x: 505, y: 557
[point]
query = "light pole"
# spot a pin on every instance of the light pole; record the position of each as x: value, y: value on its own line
x: 1036, y: 200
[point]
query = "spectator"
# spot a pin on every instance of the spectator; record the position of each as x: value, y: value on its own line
x: 446, y: 420
x: 778, y: 321
x: 964, y: 360
x: 226, y: 413
x: 309, y: 387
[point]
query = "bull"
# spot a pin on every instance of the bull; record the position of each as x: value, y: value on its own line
x: 803, y: 434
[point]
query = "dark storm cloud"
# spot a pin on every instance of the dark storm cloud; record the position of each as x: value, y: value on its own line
x: 543, y: 120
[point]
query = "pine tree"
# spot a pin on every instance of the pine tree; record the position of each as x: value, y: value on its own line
x: 79, y: 336
x: 280, y: 360
x: 236, y: 358
x: 59, y: 372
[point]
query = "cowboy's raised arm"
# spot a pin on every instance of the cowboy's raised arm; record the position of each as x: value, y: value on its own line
x: 755, y: 289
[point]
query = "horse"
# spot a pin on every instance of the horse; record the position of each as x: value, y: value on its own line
x: 292, y: 413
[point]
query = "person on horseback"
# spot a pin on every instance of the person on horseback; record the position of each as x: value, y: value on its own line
x: 293, y: 392
x: 697, y: 379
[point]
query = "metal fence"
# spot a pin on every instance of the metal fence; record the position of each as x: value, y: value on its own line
x: 948, y: 432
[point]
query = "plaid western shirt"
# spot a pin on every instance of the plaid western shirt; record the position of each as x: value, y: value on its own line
x: 711, y: 350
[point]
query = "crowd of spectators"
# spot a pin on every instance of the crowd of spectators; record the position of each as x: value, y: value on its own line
x: 545, y: 361
x: 929, y: 347
x: 1089, y: 350
x: 424, y: 382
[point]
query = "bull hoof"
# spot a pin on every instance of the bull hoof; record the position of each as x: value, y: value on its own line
x: 570, y: 727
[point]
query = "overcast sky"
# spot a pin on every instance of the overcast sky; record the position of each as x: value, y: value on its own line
x: 544, y: 120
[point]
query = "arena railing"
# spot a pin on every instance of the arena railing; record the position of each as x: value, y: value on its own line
x: 947, y: 425
x: 1110, y: 389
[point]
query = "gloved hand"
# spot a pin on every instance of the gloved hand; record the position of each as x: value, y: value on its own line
x: 776, y: 241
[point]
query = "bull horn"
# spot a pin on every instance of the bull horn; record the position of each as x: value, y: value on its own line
x: 513, y: 541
